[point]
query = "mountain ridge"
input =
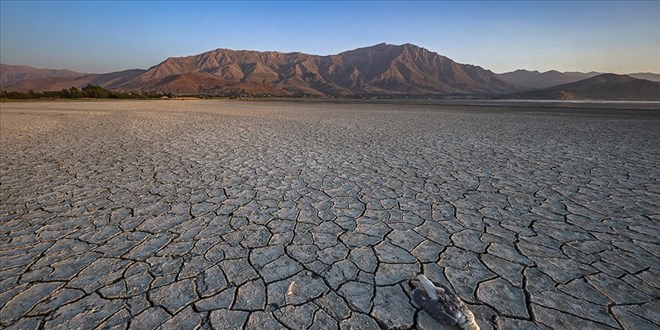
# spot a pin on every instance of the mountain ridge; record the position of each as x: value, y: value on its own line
x: 377, y: 70
x: 381, y: 69
x: 533, y: 79
x: 607, y: 86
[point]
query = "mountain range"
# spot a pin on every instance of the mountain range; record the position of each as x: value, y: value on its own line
x: 383, y: 69
x: 606, y: 86
x: 552, y: 78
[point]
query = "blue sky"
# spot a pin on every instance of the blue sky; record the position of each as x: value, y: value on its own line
x: 104, y: 36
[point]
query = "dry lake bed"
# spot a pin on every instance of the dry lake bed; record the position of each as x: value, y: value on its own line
x: 266, y: 215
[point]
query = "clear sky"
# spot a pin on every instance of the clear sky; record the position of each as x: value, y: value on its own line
x: 104, y: 36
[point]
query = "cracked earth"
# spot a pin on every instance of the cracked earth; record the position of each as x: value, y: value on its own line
x: 245, y: 215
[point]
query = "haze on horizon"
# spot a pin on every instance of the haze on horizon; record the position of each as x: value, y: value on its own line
x: 607, y: 36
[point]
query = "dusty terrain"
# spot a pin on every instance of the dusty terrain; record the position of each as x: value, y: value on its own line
x: 180, y: 214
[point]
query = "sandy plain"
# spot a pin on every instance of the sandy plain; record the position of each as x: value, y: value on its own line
x: 228, y: 214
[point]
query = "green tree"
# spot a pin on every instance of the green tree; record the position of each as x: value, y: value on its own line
x: 98, y: 92
x: 75, y: 93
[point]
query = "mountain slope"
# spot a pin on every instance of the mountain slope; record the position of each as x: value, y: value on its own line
x: 13, y: 74
x: 646, y: 75
x: 382, y: 69
x: 108, y: 80
x: 539, y: 80
x: 608, y: 86
x: 379, y: 69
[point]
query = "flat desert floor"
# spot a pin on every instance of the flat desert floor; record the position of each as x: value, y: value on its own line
x: 228, y: 214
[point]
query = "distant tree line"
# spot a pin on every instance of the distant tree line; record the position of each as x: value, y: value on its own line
x: 87, y: 92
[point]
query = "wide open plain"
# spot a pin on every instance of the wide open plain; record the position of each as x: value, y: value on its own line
x: 265, y: 215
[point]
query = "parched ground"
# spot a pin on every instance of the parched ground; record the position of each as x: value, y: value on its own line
x: 216, y: 214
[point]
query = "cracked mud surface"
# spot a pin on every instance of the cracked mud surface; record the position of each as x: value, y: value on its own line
x: 224, y: 215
